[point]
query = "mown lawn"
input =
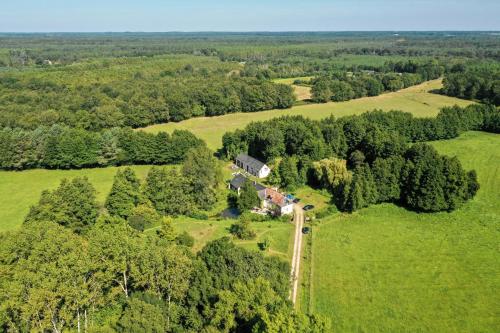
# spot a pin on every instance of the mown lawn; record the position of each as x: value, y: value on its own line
x: 417, y: 100
x: 385, y: 269
x: 279, y: 234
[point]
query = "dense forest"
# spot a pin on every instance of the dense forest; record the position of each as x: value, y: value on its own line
x: 476, y: 82
x: 344, y: 86
x: 132, y: 92
x: 368, y: 159
x: 61, y: 147
x: 272, y: 47
x: 97, y: 81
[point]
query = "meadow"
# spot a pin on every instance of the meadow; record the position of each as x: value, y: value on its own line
x: 20, y: 190
x: 386, y: 269
x: 417, y: 100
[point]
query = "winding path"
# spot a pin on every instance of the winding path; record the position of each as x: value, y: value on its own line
x: 298, y: 219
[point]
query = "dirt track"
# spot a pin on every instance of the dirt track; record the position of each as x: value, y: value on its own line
x: 298, y: 219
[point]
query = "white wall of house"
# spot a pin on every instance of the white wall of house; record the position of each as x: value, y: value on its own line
x: 264, y: 172
x: 287, y: 210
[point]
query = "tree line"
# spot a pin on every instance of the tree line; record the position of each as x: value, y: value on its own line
x: 344, y: 86
x: 475, y: 83
x: 368, y: 158
x: 79, y: 266
x: 62, y: 147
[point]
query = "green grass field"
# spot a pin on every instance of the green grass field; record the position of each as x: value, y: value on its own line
x: 385, y: 269
x: 20, y: 190
x: 416, y: 100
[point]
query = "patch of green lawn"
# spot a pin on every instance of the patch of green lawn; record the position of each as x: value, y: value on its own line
x: 386, y: 269
x: 309, y: 196
x: 417, y: 100
x: 279, y: 234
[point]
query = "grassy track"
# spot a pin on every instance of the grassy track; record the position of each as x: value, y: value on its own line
x: 416, y: 100
x: 385, y: 269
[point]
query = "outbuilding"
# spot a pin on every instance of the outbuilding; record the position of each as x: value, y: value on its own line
x: 252, y: 166
x: 237, y: 183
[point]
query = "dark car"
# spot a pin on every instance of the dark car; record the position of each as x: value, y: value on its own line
x: 308, y: 207
x: 306, y: 230
x: 296, y: 200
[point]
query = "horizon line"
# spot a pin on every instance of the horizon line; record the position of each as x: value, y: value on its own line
x: 243, y: 31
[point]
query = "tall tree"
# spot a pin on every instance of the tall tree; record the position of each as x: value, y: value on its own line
x: 248, y: 198
x: 289, y: 174
x: 169, y: 192
x: 73, y: 205
x: 124, y: 195
x: 203, y: 172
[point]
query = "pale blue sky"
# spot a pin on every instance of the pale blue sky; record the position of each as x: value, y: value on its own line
x: 240, y: 15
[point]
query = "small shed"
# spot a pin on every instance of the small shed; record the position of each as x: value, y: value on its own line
x: 237, y: 183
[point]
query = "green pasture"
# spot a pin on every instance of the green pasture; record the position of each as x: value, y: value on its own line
x: 386, y: 269
x: 21, y: 189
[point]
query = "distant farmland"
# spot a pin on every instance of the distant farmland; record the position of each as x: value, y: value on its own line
x: 417, y: 100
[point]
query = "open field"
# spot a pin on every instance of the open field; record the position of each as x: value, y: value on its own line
x: 20, y: 190
x: 303, y: 93
x: 385, y: 269
x: 417, y: 100
x: 291, y: 80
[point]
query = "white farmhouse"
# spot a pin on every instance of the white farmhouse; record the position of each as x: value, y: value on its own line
x: 275, y: 202
x: 252, y: 166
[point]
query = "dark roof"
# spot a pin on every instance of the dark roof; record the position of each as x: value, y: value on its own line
x: 239, y: 180
x: 249, y: 160
x: 258, y: 187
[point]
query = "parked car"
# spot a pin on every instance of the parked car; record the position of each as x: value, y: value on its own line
x: 306, y: 230
x: 296, y: 200
x: 308, y: 207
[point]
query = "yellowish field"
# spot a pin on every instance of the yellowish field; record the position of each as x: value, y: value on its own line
x: 417, y: 100
x: 292, y: 79
x: 303, y: 93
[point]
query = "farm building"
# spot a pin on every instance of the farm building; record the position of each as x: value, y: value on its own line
x: 276, y: 202
x: 252, y: 166
x: 237, y: 183
x: 271, y: 200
